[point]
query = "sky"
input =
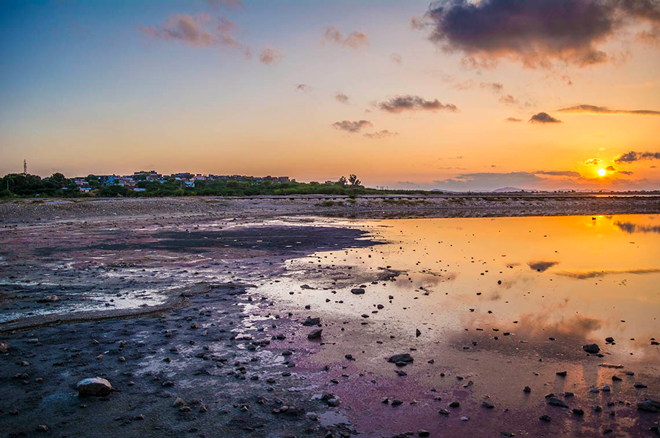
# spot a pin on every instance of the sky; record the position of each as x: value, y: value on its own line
x: 452, y: 95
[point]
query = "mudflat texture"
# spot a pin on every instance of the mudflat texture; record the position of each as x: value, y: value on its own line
x: 199, y: 313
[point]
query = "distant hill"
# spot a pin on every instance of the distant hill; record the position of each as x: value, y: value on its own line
x: 508, y: 190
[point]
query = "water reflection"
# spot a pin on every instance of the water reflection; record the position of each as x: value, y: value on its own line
x: 631, y: 228
x: 462, y: 273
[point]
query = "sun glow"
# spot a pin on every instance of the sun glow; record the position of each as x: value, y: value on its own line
x: 602, y: 172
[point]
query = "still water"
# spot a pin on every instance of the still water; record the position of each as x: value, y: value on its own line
x: 507, y: 302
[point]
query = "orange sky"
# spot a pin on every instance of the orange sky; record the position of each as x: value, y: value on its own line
x: 252, y: 88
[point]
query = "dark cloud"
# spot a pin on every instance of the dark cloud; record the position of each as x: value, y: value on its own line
x: 591, y: 109
x: 304, y: 88
x: 523, y: 180
x: 513, y: 119
x: 269, y: 56
x: 354, y: 40
x: 611, y: 168
x: 352, y: 127
x: 543, y: 118
x: 537, y: 33
x: 541, y: 266
x: 568, y: 173
x: 632, y: 156
x: 197, y: 30
x: 341, y: 97
x: 413, y: 103
x: 396, y: 58
x: 592, y: 162
x: 381, y: 134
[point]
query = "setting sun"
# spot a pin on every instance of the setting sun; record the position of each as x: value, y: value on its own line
x: 602, y: 172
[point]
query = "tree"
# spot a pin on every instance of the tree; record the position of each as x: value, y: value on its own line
x: 353, y: 179
x: 342, y: 181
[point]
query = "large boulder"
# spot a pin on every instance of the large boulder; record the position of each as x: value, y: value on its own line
x: 94, y: 386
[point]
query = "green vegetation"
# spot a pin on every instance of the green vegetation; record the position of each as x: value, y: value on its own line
x: 57, y: 185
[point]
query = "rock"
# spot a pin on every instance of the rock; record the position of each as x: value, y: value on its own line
x: 396, y: 402
x: 417, y: 333
x: 315, y: 334
x: 454, y: 404
x: 443, y: 412
x: 545, y: 418
x: 527, y: 389
x: 333, y: 402
x: 554, y: 401
x: 404, y: 358
x: 487, y: 405
x: 423, y: 433
x: 94, y: 386
x: 178, y: 402
x: 609, y: 340
x: 4, y: 348
x: 639, y: 385
x: 591, y: 348
x: 357, y: 291
x: 578, y: 412
x: 312, y: 321
x: 649, y: 406
x: 42, y: 428
x: 561, y: 373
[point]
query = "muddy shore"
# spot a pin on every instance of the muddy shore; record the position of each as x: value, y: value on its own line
x: 158, y: 297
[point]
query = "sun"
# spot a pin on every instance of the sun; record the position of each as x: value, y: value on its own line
x: 602, y: 172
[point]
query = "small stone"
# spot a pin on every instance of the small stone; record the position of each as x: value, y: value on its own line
x: 94, y: 386
x: 178, y: 402
x: 649, y: 406
x: 639, y: 385
x: 42, y: 428
x: 591, y: 348
x: 561, y: 373
x: 357, y: 291
x: 578, y: 412
x: 609, y: 340
x: 315, y: 334
x: 423, y: 433
x: 454, y: 404
x: 545, y: 418
x: 404, y: 358
x: 4, y: 348
x: 554, y: 401
x: 443, y: 412
x: 527, y: 389
x: 311, y: 322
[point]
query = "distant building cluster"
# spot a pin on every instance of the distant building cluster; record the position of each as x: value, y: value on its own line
x: 86, y: 184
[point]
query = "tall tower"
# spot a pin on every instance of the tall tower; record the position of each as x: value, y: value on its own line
x: 25, y: 167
